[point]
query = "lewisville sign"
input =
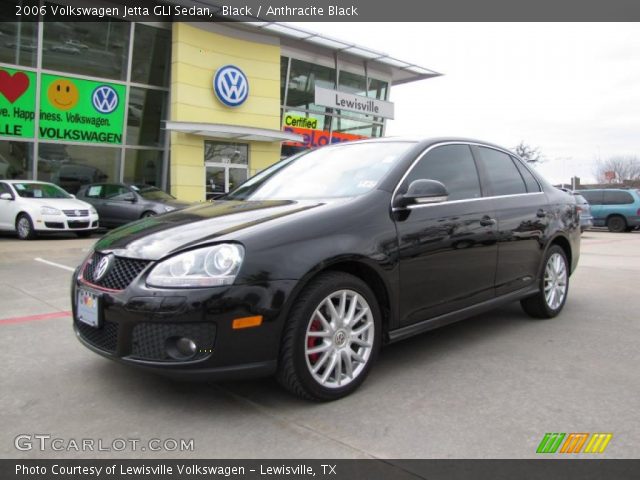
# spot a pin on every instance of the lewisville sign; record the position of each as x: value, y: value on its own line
x: 353, y: 103
x: 71, y: 109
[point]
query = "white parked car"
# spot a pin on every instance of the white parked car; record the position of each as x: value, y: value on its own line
x: 29, y: 207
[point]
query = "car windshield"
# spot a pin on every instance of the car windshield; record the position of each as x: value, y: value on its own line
x: 345, y: 170
x: 152, y: 193
x: 40, y: 190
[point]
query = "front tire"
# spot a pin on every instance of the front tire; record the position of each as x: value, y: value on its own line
x: 554, y: 286
x: 24, y: 227
x: 148, y: 214
x: 616, y: 224
x: 331, y: 339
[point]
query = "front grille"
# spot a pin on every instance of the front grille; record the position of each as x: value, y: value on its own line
x: 76, y: 224
x: 76, y: 213
x: 121, y: 273
x: 105, y: 338
x: 150, y: 339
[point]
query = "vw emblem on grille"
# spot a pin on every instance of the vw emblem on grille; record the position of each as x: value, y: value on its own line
x: 102, y: 268
x: 77, y: 213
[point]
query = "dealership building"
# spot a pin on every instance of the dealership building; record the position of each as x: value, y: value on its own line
x: 194, y: 108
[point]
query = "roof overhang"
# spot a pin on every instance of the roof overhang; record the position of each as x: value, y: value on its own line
x: 235, y: 132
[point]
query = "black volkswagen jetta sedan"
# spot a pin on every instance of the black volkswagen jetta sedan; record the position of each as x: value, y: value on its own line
x: 306, y: 269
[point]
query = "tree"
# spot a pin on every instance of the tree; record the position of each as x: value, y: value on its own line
x: 528, y: 153
x: 618, y: 169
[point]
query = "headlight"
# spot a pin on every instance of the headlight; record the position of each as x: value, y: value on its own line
x: 93, y: 211
x: 50, y: 211
x: 169, y: 209
x: 205, y: 267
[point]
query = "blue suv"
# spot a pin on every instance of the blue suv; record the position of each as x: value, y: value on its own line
x: 618, y: 209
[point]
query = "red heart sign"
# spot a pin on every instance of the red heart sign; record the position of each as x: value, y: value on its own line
x: 12, y: 87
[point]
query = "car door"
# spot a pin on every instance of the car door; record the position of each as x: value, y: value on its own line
x: 447, y: 251
x: 7, y: 208
x: 596, y: 201
x: 523, y: 215
x: 119, y: 204
x: 92, y: 194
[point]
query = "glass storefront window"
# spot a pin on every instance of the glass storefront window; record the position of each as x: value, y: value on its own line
x: 354, y: 127
x: 284, y: 64
x: 71, y: 166
x: 226, y: 167
x: 88, y: 48
x: 16, y: 160
x: 303, y: 78
x: 226, y: 153
x: 143, y: 167
x: 19, y: 42
x: 352, y: 83
x: 146, y: 111
x: 151, y: 55
x: 378, y: 89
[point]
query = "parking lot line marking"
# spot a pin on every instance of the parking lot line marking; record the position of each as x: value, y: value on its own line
x: 54, y: 264
x: 31, y: 318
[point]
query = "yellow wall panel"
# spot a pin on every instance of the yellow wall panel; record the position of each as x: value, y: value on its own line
x: 196, y: 55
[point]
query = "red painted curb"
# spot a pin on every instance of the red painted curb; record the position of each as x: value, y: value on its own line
x: 30, y: 318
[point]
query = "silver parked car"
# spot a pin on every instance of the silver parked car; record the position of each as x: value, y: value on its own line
x: 584, y: 209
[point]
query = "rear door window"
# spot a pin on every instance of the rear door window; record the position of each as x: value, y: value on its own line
x: 529, y: 180
x: 594, y: 197
x: 616, y: 197
x: 503, y: 175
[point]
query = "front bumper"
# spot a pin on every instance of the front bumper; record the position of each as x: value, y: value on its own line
x: 138, y: 323
x: 63, y: 223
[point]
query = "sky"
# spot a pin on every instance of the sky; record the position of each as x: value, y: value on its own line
x: 571, y: 89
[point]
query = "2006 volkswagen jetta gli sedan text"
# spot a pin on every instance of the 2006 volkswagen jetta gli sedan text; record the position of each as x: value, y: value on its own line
x: 305, y: 270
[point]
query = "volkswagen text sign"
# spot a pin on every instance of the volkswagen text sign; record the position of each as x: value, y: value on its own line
x: 231, y: 86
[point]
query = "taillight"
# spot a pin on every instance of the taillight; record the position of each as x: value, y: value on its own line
x: 579, y: 209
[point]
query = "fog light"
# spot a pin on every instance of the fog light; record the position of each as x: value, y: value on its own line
x: 186, y: 347
x: 181, y: 348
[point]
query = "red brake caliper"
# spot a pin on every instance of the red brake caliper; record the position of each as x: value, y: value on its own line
x: 316, y: 326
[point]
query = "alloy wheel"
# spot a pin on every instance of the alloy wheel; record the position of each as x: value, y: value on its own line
x: 24, y: 227
x: 339, y: 339
x: 555, y: 281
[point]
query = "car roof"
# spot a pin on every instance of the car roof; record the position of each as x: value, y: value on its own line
x: 428, y: 141
x: 27, y: 181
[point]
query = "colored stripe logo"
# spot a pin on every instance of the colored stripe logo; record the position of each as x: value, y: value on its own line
x: 574, y: 443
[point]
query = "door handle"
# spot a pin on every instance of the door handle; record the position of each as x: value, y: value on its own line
x: 541, y: 213
x: 487, y: 221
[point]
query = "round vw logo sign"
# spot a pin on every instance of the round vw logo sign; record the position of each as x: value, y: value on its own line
x: 231, y: 86
x: 102, y: 268
x: 104, y: 99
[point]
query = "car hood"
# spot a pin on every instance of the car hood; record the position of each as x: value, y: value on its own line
x: 153, y: 238
x: 59, y: 203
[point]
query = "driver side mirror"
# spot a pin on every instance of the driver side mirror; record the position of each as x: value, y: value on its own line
x: 130, y: 198
x: 6, y: 196
x: 422, y: 192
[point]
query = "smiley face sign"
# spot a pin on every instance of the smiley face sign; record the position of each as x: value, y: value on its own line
x: 63, y: 94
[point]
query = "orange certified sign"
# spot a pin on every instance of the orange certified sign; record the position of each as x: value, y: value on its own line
x: 317, y: 138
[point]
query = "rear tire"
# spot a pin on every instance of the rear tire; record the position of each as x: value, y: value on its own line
x: 331, y: 339
x: 554, y: 286
x: 24, y: 227
x: 616, y: 224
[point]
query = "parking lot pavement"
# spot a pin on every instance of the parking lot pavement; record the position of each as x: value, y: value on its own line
x: 487, y: 387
